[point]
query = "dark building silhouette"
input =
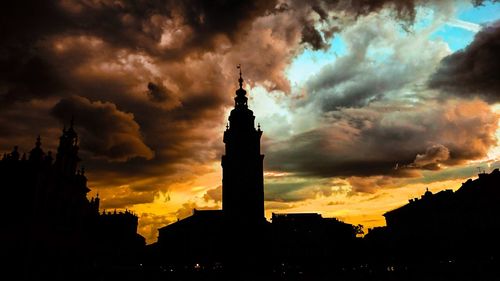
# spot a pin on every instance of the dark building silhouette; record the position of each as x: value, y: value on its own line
x: 51, y: 227
x: 197, y: 238
x: 308, y: 237
x: 243, y: 175
x: 54, y: 192
x: 472, y: 211
x: 422, y: 216
x: 237, y: 232
x: 238, y: 238
x: 242, y: 169
x: 447, y: 235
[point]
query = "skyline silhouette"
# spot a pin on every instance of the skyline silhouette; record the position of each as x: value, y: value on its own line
x: 374, y: 123
x: 151, y: 92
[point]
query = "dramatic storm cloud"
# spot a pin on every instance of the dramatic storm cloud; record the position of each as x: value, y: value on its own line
x: 474, y: 71
x: 369, y: 141
x: 108, y: 131
x: 367, y: 74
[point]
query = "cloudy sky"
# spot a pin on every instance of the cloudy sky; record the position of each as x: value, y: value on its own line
x: 363, y: 104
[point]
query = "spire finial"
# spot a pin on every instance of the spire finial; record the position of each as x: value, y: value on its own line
x: 241, y: 78
x: 72, y: 121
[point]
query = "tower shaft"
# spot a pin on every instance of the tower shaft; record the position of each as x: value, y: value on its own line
x: 242, y: 164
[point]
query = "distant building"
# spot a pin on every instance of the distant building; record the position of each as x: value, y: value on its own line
x: 311, y: 224
x: 447, y: 222
x: 426, y: 213
x: 196, y: 238
x: 49, y: 214
x: 473, y: 207
x: 53, y: 191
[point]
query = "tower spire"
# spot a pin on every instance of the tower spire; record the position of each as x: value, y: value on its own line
x: 241, y: 78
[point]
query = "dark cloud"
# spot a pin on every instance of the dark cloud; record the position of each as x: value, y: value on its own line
x: 370, y: 142
x: 140, y: 23
x: 474, y: 71
x: 20, y: 124
x: 25, y: 22
x: 105, y: 130
x: 25, y: 73
x: 30, y: 78
x: 170, y: 30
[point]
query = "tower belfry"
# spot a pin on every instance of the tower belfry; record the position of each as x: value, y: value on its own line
x: 242, y: 164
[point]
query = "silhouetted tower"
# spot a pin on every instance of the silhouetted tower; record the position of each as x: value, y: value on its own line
x: 67, y: 153
x: 242, y: 173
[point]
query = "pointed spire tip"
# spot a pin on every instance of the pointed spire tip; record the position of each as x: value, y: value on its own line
x: 241, y: 78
